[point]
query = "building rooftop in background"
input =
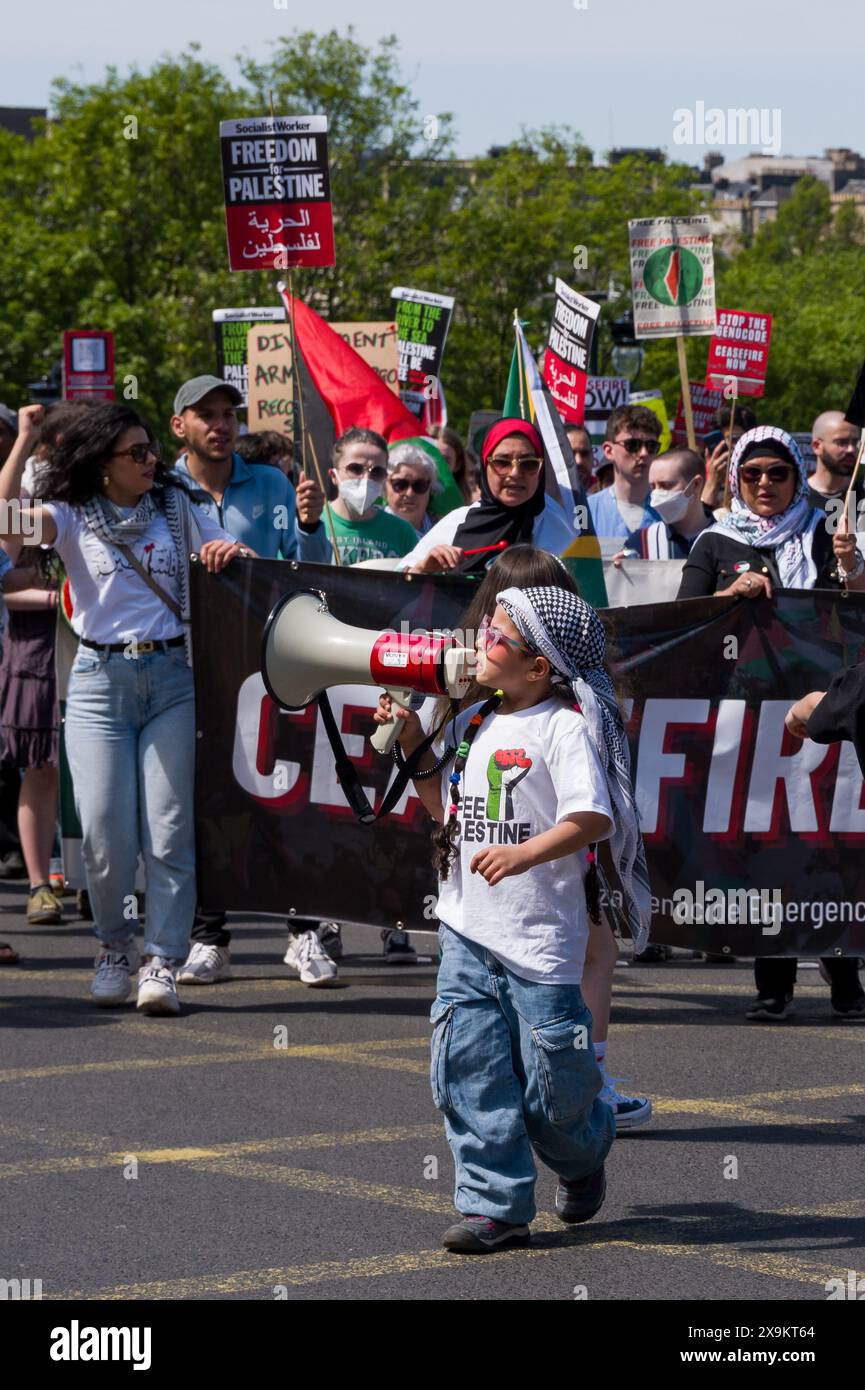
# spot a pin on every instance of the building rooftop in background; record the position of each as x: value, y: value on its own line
x: 18, y: 119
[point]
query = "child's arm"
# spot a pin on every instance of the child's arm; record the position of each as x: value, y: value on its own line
x: 573, y: 833
x: 411, y: 735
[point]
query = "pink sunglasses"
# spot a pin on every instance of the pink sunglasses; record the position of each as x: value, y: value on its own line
x: 489, y: 637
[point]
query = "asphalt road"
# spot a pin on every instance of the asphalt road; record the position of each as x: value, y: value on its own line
x: 191, y: 1158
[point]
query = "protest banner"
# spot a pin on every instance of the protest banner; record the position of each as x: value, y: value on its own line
x: 654, y: 401
x: 725, y: 802
x: 231, y: 330
x: 739, y: 353
x: 704, y: 403
x: 672, y: 276
x: 270, y: 404
x: 88, y: 365
x: 422, y: 323
x: 278, y: 209
x: 377, y: 344
x: 673, y: 286
x: 480, y: 423
x: 566, y: 360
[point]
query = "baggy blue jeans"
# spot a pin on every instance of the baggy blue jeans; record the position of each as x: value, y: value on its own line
x: 513, y: 1071
x: 130, y: 741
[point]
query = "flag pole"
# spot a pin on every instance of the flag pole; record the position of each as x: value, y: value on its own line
x: 686, y: 391
x: 304, y: 437
x: 522, y: 369
x: 727, y: 494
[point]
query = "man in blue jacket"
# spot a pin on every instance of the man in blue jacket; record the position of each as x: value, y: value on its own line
x: 257, y: 505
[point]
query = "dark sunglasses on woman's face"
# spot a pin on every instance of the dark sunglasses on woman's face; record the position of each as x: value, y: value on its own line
x: 525, y: 463
x: 377, y: 471
x: 633, y: 446
x: 140, y: 452
x: 418, y: 485
x: 777, y: 473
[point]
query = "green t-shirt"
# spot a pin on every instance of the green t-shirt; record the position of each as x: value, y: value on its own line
x: 383, y: 537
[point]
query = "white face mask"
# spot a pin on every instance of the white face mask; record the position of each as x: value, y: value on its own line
x: 359, y: 494
x: 670, y: 506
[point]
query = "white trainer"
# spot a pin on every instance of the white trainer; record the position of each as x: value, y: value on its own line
x: 114, y: 966
x: 205, y: 965
x: 308, y: 957
x: 157, y: 992
x: 630, y: 1111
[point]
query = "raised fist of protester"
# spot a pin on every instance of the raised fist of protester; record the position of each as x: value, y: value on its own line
x: 30, y: 419
x: 713, y: 488
x: 748, y: 585
x: 310, y: 502
x: 215, y: 555
x: 797, y: 716
x: 441, y: 557
x: 411, y: 733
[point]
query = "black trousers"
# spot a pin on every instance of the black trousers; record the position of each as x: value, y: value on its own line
x: 210, y: 927
x: 10, y: 786
x: 776, y: 976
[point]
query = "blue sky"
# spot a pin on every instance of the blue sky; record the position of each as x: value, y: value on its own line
x: 615, y: 70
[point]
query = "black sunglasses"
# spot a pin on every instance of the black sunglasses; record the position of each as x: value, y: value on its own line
x: 418, y: 485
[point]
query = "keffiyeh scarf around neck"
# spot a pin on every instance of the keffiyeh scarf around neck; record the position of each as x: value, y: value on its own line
x: 791, y: 532
x: 106, y: 521
x: 564, y: 629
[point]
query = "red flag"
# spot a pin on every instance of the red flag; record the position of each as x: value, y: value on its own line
x: 352, y: 391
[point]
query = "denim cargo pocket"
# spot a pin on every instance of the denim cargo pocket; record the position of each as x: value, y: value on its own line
x: 565, y: 1079
x: 441, y: 1018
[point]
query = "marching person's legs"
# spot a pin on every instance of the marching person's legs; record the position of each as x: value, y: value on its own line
x: 166, y: 775
x: 101, y: 745
x: 842, y: 975
x: 602, y: 952
x: 570, y: 1126
x: 37, y: 822
x: 475, y: 1086
x: 775, y: 978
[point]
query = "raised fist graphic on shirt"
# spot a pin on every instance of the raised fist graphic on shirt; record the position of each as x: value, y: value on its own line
x: 506, y: 767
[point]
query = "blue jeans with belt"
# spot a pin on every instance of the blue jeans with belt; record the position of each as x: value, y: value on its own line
x: 130, y: 741
x: 514, y: 1072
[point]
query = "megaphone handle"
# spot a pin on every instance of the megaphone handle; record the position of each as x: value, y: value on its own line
x: 385, y: 735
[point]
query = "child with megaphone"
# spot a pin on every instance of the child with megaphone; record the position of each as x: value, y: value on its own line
x: 541, y: 774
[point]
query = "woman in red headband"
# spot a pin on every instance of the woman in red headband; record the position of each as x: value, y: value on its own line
x: 513, y: 508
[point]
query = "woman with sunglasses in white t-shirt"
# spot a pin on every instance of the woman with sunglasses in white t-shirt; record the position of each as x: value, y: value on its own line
x: 124, y: 529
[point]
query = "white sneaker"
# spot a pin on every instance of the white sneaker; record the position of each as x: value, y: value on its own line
x: 630, y: 1111
x: 308, y: 957
x: 114, y: 965
x: 157, y: 992
x: 205, y: 965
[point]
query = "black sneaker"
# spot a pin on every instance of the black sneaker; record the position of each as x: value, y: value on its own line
x: 12, y: 866
x: 769, y: 1010
x: 398, y: 950
x: 653, y: 955
x: 478, y: 1235
x: 579, y: 1198
x: 851, y: 1006
x: 330, y: 936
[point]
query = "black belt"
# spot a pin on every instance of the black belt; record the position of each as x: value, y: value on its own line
x: 133, y: 642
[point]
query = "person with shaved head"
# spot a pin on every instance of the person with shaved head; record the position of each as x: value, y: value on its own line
x: 835, y: 442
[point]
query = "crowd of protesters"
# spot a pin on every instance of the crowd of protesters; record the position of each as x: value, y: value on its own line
x: 89, y: 498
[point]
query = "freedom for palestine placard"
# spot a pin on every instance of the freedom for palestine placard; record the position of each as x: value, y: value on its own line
x: 672, y: 276
x: 278, y: 210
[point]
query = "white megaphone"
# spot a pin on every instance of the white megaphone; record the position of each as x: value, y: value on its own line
x: 304, y: 650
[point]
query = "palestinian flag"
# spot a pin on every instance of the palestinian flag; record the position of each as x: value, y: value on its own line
x: 340, y: 389
x: 528, y: 398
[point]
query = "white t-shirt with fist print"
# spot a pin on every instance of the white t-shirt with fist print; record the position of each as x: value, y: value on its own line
x: 525, y: 772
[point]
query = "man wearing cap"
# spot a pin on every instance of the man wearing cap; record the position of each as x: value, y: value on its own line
x: 257, y: 505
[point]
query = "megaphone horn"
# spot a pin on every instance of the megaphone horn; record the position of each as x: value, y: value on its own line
x: 305, y: 650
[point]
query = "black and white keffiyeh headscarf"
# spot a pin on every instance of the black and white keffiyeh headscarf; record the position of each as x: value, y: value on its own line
x: 563, y: 628
x: 791, y: 532
x: 106, y: 521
